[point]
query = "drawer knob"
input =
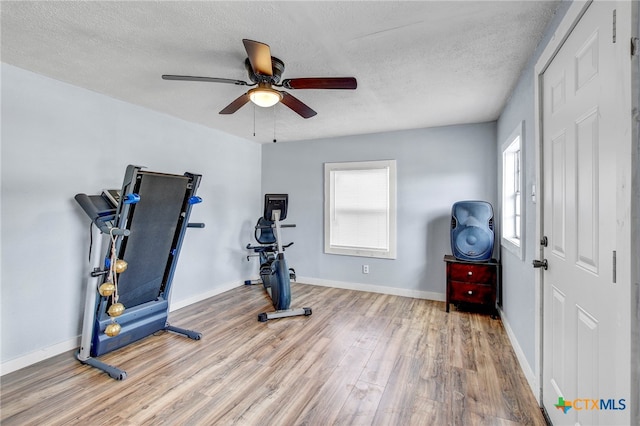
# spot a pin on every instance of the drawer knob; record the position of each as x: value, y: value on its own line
x: 470, y: 292
x: 469, y: 273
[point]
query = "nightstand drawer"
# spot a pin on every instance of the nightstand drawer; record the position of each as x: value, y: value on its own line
x: 472, y: 282
x: 471, y: 293
x: 472, y: 273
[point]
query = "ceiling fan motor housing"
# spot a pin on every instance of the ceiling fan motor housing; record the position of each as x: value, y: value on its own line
x: 278, y: 68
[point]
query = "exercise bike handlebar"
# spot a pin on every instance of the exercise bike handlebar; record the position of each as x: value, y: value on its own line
x: 272, y: 246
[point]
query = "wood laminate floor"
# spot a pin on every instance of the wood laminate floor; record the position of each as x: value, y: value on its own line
x: 360, y: 359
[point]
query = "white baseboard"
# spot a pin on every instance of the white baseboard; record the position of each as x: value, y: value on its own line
x: 74, y: 343
x: 522, y: 359
x: 39, y: 355
x: 395, y: 291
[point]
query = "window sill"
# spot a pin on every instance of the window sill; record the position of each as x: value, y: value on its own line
x: 512, y: 247
x: 360, y: 252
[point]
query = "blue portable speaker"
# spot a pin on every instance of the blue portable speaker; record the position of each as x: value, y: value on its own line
x: 472, y: 233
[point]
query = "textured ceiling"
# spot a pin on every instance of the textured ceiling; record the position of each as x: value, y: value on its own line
x: 418, y: 64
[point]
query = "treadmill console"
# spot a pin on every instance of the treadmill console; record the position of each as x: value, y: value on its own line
x: 112, y: 195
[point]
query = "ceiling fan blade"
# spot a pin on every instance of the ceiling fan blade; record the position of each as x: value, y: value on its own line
x: 207, y: 79
x: 236, y: 105
x: 297, y: 105
x: 321, y: 83
x: 259, y: 56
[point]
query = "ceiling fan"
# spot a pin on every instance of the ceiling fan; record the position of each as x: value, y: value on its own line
x: 265, y: 71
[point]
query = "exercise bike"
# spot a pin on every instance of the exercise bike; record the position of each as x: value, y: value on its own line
x: 275, y: 275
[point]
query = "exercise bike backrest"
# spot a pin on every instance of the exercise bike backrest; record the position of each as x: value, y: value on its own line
x: 264, y: 235
x: 264, y: 232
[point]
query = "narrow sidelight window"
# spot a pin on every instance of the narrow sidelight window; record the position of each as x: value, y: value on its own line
x: 512, y: 192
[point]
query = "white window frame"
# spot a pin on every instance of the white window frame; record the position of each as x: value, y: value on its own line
x: 513, y: 192
x: 329, y: 248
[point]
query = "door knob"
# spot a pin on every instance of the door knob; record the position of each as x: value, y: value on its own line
x: 541, y: 264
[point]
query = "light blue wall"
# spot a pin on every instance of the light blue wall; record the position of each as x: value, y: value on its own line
x: 59, y: 140
x: 518, y: 276
x: 435, y: 168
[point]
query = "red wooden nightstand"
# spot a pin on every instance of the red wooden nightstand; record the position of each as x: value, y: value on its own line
x: 472, y: 282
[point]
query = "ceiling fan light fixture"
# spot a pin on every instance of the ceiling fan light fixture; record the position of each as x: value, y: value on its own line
x: 265, y: 96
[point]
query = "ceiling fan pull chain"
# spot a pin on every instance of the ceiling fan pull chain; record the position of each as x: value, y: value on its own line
x: 254, y: 121
x: 274, y: 124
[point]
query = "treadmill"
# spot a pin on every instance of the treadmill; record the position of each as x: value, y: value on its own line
x: 145, y: 223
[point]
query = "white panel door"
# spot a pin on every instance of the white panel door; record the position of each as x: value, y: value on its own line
x: 584, y: 318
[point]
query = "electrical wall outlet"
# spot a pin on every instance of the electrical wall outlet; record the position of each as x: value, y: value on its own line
x: 365, y: 269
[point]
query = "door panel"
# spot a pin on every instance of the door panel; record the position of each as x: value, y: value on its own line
x: 557, y: 339
x: 558, y: 173
x: 587, y: 190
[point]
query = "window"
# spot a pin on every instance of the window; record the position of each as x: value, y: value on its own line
x: 360, y: 209
x: 512, y: 192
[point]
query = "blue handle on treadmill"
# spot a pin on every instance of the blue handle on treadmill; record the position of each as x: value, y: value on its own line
x: 131, y: 198
x: 195, y: 199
